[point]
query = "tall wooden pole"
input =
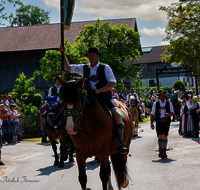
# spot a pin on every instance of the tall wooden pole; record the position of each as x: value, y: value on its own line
x: 62, y: 35
x: 196, y: 83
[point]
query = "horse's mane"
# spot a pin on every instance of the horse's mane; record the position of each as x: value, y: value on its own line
x: 70, y: 92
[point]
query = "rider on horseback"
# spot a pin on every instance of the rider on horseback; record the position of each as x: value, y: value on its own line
x: 102, y: 80
x: 132, y: 93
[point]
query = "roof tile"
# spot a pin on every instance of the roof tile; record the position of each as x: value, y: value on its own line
x: 22, y: 38
x: 154, y: 56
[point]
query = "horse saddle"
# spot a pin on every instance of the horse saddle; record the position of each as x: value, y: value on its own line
x: 122, y: 114
x: 105, y: 107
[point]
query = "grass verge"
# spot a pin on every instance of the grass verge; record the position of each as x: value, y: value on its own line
x: 36, y: 139
x: 144, y: 120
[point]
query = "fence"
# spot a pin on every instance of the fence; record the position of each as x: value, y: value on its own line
x: 28, y: 128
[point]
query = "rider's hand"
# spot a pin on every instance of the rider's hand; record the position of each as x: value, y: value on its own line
x: 61, y: 49
x: 152, y: 126
x: 166, y: 114
x: 97, y: 91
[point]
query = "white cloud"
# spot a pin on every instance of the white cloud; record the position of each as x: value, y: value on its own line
x: 153, y: 33
x: 52, y: 3
x: 146, y: 10
x: 163, y: 43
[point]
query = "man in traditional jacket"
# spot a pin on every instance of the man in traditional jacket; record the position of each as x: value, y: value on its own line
x: 102, y: 80
x: 56, y: 90
x: 161, y: 113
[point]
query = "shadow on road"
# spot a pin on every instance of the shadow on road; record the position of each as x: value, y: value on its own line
x: 51, y: 169
x: 11, y: 144
x: 164, y: 161
x: 44, y: 144
x: 92, y: 165
x: 135, y: 138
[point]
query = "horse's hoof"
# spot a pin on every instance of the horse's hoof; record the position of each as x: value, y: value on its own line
x: 125, y: 183
x: 61, y: 165
x: 71, y: 159
x: 55, y: 163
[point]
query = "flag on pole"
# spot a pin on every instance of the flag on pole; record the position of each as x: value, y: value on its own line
x: 68, y: 7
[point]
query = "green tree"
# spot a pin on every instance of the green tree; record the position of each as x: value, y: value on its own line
x: 183, y: 32
x: 177, y: 84
x: 118, y: 45
x: 51, y: 63
x: 3, y: 15
x: 29, y: 15
x: 23, y: 85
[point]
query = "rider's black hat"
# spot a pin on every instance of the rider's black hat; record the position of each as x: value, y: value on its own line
x: 93, y: 49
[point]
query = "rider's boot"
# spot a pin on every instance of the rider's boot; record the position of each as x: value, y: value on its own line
x: 120, y: 147
x: 164, y: 153
x: 71, y: 149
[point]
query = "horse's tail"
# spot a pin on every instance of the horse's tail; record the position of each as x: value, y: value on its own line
x: 120, y: 168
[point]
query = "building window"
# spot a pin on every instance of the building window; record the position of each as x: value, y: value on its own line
x: 151, y: 83
x: 150, y: 67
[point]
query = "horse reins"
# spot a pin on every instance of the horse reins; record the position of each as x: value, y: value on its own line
x: 78, y: 113
x: 59, y: 122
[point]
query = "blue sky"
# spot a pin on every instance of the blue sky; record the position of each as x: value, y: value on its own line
x: 151, y: 22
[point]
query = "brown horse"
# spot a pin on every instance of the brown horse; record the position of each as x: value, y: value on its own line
x: 55, y: 127
x: 94, y: 133
x: 134, y: 113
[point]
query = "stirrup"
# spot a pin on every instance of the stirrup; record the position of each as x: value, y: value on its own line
x: 122, y: 149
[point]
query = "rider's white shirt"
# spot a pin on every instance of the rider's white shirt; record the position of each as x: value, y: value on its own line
x: 163, y: 112
x: 93, y: 71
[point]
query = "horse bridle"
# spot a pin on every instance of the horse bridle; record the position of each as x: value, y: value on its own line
x: 59, y: 122
x: 79, y: 113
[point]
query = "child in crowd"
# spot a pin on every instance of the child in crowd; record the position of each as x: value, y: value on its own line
x: 15, y: 122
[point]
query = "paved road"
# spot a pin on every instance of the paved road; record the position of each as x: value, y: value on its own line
x: 30, y: 166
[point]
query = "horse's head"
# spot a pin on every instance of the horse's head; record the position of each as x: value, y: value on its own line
x: 53, y: 109
x: 76, y: 93
x: 72, y: 100
x: 132, y: 101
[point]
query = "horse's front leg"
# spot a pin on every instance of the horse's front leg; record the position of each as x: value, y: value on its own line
x: 105, y: 173
x: 62, y: 155
x: 54, y: 147
x: 81, y: 167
